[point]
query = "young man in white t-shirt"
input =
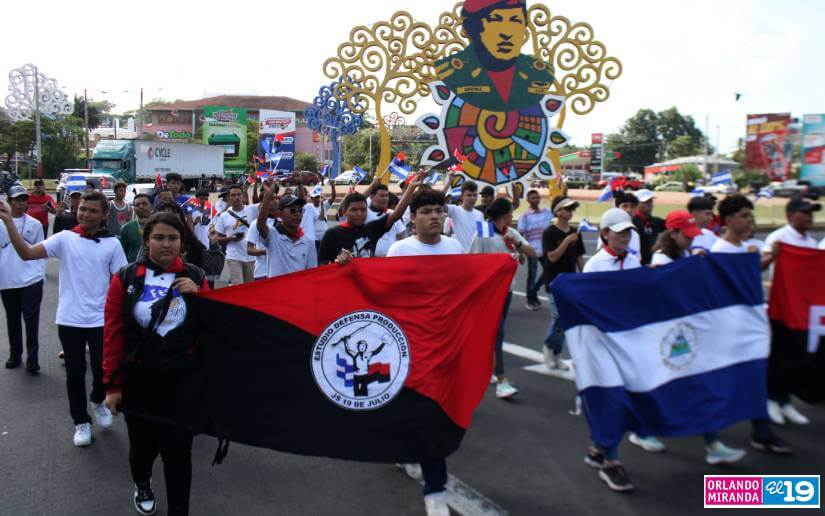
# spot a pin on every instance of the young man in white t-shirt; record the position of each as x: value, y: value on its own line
x: 288, y: 248
x: 21, y: 283
x: 88, y: 257
x: 464, y: 218
x: 701, y: 208
x: 504, y: 240
x: 231, y: 227
x: 736, y: 212
x: 427, y: 214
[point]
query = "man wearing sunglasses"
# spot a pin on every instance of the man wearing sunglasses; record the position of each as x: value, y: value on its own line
x: 287, y: 247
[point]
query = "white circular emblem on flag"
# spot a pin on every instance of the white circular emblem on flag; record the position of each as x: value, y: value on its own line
x: 678, y: 348
x: 361, y: 360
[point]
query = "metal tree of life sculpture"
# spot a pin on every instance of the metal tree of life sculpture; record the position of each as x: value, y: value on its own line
x: 330, y: 115
x: 497, y: 104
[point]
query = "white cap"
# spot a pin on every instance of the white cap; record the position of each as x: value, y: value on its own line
x: 616, y: 220
x: 644, y: 195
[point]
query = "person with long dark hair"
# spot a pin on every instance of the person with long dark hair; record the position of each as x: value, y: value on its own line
x: 150, y: 355
x: 192, y: 249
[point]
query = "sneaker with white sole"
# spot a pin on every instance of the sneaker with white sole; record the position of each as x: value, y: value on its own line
x: 648, y: 444
x: 793, y: 415
x: 145, y: 498
x: 717, y: 453
x: 775, y: 413
x: 505, y: 389
x: 83, y: 434
x: 102, y: 415
x: 436, y: 505
x: 412, y: 470
x: 615, y: 476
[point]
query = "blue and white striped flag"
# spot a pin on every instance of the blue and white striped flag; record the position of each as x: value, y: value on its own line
x: 399, y: 171
x: 325, y: 170
x: 485, y: 229
x: 433, y: 179
x: 697, y: 192
x: 455, y: 193
x: 344, y: 371
x: 318, y: 190
x: 723, y: 177
x: 765, y: 193
x: 678, y: 362
x: 360, y: 172
x: 586, y: 227
x: 607, y: 193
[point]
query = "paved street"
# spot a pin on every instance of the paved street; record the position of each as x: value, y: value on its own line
x: 521, y: 457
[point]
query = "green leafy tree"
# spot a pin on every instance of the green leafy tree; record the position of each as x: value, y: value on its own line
x: 306, y: 161
x: 252, y: 127
x: 356, y: 149
x: 683, y: 145
x: 16, y: 137
x: 62, y: 140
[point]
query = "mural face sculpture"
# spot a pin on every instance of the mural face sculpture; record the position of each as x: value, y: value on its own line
x: 496, y: 102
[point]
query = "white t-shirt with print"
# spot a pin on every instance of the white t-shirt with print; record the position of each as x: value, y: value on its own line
x: 464, y: 224
x: 603, y: 261
x: 411, y: 246
x: 86, y: 267
x: 14, y: 271
x: 228, y: 225
x: 155, y: 288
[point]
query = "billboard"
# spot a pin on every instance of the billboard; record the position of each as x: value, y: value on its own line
x: 813, y: 149
x: 226, y: 127
x: 276, y: 126
x: 765, y: 147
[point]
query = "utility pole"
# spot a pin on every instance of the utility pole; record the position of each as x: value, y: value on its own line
x: 86, y: 122
x: 717, y: 153
x: 37, y: 124
x: 707, y: 122
x: 140, y: 115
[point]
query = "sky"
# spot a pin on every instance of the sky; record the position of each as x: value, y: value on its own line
x: 692, y: 55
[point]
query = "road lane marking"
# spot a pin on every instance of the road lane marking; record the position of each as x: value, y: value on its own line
x: 521, y: 351
x: 522, y: 294
x: 538, y: 357
x: 462, y: 498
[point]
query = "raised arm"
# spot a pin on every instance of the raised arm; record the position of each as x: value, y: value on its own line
x: 405, y: 199
x: 23, y: 249
x: 263, y: 211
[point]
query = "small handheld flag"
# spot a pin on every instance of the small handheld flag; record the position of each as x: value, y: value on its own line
x: 485, y: 229
x: 317, y: 191
x: 607, y: 193
x: 723, y: 177
x: 764, y: 193
x: 587, y: 227
x: 360, y: 172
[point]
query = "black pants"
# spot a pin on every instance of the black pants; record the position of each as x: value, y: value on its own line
x: 155, y: 393
x: 74, y: 341
x: 435, y: 476
x: 23, y: 302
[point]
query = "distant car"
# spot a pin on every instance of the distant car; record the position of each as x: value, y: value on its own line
x: 623, y: 182
x: 138, y: 188
x: 71, y: 181
x: 717, y: 189
x: 348, y: 177
x: 671, y: 186
x: 788, y: 188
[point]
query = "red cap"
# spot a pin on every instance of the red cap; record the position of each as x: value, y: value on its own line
x: 684, y: 222
x: 474, y: 6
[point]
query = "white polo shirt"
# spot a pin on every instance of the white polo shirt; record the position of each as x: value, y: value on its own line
x: 788, y: 235
x: 14, y: 271
x: 603, y: 261
x: 285, y: 256
x: 86, y: 267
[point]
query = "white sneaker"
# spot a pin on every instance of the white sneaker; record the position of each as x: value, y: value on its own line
x: 436, y: 505
x: 559, y: 365
x: 793, y: 415
x: 83, y: 434
x: 102, y: 415
x: 505, y: 389
x: 412, y: 470
x: 494, y: 379
x: 775, y: 413
x: 548, y: 356
x: 648, y: 444
x: 718, y: 453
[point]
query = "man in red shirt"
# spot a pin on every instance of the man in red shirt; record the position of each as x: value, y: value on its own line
x: 40, y: 205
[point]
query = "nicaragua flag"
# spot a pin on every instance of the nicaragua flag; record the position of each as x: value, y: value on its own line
x: 586, y: 227
x: 764, y: 193
x: 797, y: 314
x: 360, y: 172
x: 399, y: 169
x: 723, y: 177
x: 607, y: 193
x: 676, y: 362
x: 325, y: 170
x: 417, y: 376
x: 485, y: 229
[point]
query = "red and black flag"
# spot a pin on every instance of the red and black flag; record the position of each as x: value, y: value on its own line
x: 797, y: 313
x: 380, y: 360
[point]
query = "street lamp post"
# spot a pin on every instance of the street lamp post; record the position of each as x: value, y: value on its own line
x: 32, y: 93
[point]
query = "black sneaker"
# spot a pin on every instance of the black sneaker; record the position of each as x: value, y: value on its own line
x: 32, y: 366
x: 145, y: 498
x: 13, y: 362
x: 594, y: 458
x: 771, y: 443
x: 615, y: 477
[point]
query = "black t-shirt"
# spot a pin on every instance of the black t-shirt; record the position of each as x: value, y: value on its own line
x: 359, y: 241
x: 551, y: 239
x: 649, y: 229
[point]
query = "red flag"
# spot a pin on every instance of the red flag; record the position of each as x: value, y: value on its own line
x: 383, y: 371
x: 158, y: 183
x: 797, y: 313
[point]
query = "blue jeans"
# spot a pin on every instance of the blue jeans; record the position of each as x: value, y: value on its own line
x: 435, y: 476
x: 499, y: 369
x: 554, y: 339
x: 534, y: 278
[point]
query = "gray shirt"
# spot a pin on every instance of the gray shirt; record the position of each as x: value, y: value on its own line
x: 117, y: 218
